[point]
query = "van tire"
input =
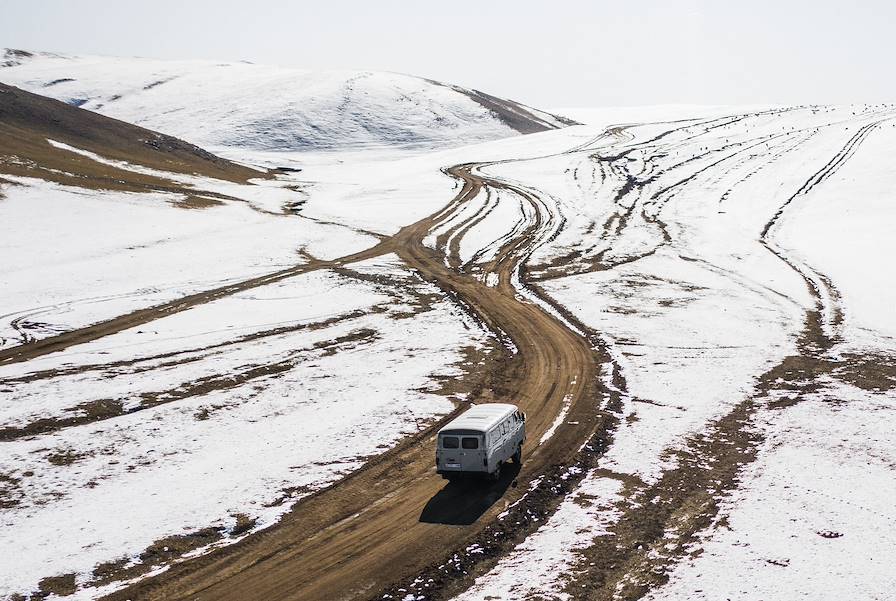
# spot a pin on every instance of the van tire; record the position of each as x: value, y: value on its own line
x: 496, y: 475
x: 518, y: 456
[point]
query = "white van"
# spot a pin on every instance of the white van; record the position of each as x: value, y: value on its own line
x: 478, y: 441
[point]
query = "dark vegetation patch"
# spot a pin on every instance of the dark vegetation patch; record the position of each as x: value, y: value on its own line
x: 105, y: 572
x: 175, y: 546
x: 9, y: 486
x: 159, y: 82
x: 158, y: 553
x: 243, y: 524
x: 63, y: 586
x: 872, y: 372
x: 83, y: 413
x: 197, y: 202
x: 66, y: 457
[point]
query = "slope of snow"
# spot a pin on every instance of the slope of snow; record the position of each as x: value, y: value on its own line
x: 692, y: 326
x: 215, y: 104
x: 647, y: 114
x: 89, y: 261
x: 352, y: 388
x: 695, y: 323
x: 814, y: 516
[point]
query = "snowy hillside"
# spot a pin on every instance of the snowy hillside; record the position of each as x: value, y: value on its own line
x: 216, y: 104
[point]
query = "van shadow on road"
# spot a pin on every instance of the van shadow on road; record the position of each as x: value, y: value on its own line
x: 461, y: 503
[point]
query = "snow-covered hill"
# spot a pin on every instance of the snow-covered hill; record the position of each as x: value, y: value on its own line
x: 217, y: 104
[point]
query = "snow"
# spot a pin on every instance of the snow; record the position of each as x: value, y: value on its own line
x: 694, y: 321
x: 686, y: 299
x: 814, y: 517
x: 238, y: 104
x: 236, y: 449
x: 607, y: 115
x: 537, y: 565
x: 854, y: 208
x: 99, y: 254
x: 680, y: 373
x: 79, y: 266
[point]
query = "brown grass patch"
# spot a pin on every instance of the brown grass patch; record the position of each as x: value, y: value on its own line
x: 197, y: 202
x: 57, y: 585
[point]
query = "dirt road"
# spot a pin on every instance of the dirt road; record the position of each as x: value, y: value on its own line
x: 394, y: 520
x: 396, y: 516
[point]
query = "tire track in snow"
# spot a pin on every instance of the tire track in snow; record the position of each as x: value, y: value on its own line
x: 828, y: 312
x: 355, y: 537
x: 660, y: 522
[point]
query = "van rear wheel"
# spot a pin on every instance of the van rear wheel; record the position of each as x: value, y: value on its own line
x: 496, y: 475
x: 518, y: 456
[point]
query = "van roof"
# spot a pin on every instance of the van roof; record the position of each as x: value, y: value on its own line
x: 480, y: 417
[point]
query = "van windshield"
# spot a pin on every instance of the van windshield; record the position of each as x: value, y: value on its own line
x: 470, y: 442
x: 449, y: 442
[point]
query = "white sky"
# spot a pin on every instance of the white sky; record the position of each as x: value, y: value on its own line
x: 548, y: 54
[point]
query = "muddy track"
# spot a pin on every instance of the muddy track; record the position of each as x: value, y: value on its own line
x: 661, y: 523
x: 394, y: 517
x: 59, y: 342
x: 828, y: 313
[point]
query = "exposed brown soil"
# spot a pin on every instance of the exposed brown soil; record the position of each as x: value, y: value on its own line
x: 103, y: 409
x: 182, y: 356
x: 513, y: 114
x: 56, y: 585
x: 157, y: 553
x: 660, y: 523
x: 393, y: 527
x: 197, y: 202
x: 8, y: 486
x: 352, y: 539
x: 27, y: 120
x: 59, y: 342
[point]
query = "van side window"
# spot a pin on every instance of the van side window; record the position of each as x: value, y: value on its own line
x: 449, y: 442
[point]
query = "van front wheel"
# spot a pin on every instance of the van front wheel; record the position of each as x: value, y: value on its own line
x: 518, y: 456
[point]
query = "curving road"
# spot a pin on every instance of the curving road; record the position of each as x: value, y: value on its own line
x: 395, y: 516
x: 394, y: 519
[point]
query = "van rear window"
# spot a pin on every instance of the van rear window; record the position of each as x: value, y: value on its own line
x: 470, y: 443
x: 449, y: 442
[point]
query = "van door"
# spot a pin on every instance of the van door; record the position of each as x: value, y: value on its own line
x: 471, y: 453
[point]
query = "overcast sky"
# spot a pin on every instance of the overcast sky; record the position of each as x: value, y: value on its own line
x: 548, y: 54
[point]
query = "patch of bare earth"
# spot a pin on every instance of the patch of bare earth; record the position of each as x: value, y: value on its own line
x: 662, y: 523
